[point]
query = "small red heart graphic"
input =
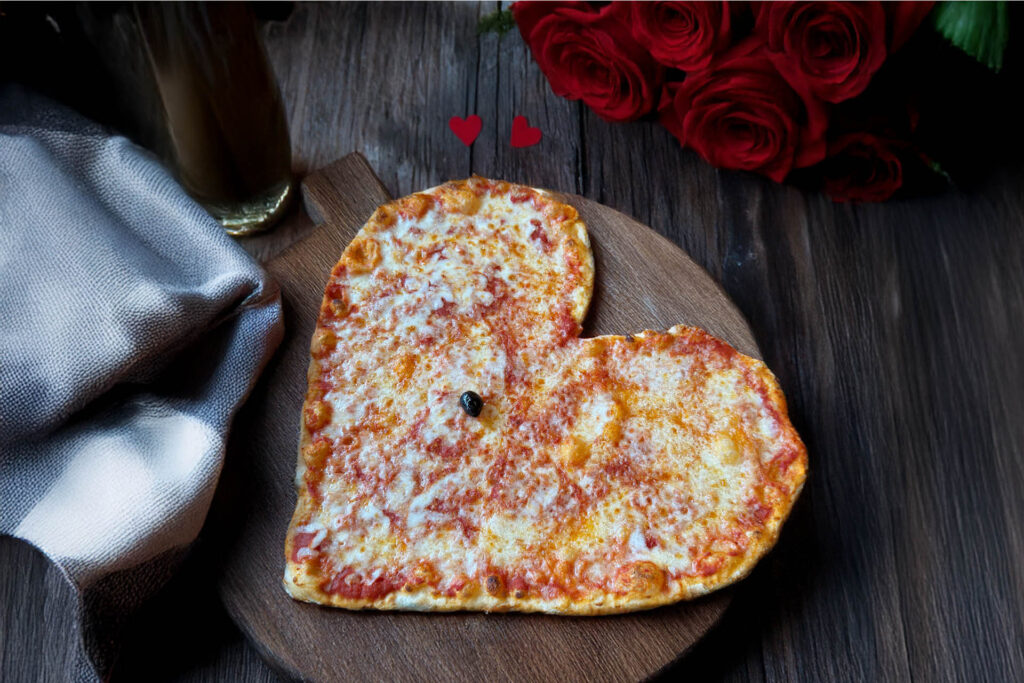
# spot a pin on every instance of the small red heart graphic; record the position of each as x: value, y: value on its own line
x: 467, y: 129
x: 523, y: 134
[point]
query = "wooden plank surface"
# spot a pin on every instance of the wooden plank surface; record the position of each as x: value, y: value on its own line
x: 643, y: 281
x: 893, y: 330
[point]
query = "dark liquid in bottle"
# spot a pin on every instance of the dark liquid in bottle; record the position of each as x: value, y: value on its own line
x: 225, y: 125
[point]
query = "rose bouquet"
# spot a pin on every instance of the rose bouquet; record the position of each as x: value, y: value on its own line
x: 796, y: 91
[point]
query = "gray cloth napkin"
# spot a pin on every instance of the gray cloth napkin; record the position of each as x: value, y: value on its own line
x: 131, y: 330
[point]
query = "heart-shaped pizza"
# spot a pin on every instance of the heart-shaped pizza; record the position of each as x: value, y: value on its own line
x: 462, y: 446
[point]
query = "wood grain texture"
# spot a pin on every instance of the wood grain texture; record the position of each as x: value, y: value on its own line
x: 34, y: 616
x: 894, y: 330
x: 635, y: 267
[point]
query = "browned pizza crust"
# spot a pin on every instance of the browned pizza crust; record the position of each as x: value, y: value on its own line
x: 561, y: 248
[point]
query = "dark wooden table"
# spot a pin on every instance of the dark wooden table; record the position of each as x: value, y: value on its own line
x: 893, y: 329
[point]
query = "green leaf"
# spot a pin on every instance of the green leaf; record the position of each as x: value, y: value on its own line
x: 981, y: 29
x: 500, y: 22
x: 937, y: 169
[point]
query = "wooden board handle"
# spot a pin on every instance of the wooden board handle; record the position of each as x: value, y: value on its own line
x: 339, y: 198
x: 345, y: 192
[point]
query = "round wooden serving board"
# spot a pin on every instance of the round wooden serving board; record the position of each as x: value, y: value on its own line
x: 643, y: 282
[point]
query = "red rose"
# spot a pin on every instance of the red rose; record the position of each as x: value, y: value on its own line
x: 862, y: 167
x: 904, y: 18
x: 832, y: 48
x: 684, y: 35
x: 742, y: 114
x: 590, y: 55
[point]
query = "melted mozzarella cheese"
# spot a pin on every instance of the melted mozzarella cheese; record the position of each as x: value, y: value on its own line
x: 589, y: 456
